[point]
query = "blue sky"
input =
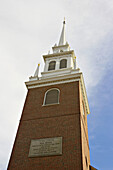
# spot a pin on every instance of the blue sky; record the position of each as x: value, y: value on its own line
x: 100, y: 124
x: 28, y: 29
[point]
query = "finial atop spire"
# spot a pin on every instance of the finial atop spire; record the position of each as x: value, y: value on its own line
x: 62, y: 37
x: 64, y: 21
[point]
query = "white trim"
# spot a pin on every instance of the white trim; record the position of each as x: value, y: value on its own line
x: 64, y: 58
x: 43, y: 81
x: 46, y: 94
x: 50, y: 104
x: 46, y: 66
x: 59, y: 70
x: 83, y: 89
x: 56, y: 73
x: 52, y: 83
x: 59, y: 54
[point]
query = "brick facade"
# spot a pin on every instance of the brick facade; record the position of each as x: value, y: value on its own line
x: 64, y: 119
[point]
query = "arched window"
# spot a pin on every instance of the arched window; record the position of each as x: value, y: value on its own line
x: 51, y: 97
x: 52, y: 65
x: 63, y: 63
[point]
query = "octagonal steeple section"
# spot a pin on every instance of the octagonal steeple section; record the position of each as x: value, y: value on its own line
x: 62, y: 60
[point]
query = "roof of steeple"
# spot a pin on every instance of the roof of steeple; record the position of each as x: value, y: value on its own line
x: 62, y: 37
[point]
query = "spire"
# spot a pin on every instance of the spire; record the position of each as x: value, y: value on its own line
x: 63, y: 37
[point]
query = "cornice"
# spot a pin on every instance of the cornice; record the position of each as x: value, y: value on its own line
x: 58, y: 54
x: 43, y: 81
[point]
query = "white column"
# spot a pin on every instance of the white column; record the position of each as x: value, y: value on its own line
x: 57, y: 64
x: 69, y: 62
x: 46, y: 66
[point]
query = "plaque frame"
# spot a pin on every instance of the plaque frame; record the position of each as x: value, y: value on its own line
x: 45, y: 147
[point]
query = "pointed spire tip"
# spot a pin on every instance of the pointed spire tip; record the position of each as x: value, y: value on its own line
x: 62, y: 37
x: 64, y: 21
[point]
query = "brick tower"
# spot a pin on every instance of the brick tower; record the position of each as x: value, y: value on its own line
x: 53, y: 133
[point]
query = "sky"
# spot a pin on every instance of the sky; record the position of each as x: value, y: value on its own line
x: 28, y: 30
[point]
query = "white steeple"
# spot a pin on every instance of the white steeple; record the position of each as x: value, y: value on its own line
x: 62, y: 45
x: 61, y: 61
x: 63, y: 35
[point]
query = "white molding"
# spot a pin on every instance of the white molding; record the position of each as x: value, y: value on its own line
x: 83, y: 89
x: 46, y: 80
x: 58, y: 72
x: 52, y: 83
x: 51, y: 104
x: 59, y: 54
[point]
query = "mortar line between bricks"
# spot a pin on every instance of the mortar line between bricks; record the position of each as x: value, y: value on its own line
x: 52, y: 117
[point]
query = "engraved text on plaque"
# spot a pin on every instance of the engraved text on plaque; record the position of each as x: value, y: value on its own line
x: 46, y: 147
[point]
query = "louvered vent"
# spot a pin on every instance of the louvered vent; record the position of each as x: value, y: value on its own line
x: 52, y: 97
x: 52, y: 65
x: 63, y: 63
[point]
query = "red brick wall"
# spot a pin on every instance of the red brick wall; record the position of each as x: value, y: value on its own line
x: 39, y: 121
x: 69, y: 103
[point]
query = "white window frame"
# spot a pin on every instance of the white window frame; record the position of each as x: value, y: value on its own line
x: 55, y: 65
x: 60, y: 62
x: 46, y: 94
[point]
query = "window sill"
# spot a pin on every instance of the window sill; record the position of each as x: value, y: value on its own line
x: 51, y: 104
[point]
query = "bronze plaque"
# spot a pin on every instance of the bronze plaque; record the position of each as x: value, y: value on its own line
x: 46, y: 147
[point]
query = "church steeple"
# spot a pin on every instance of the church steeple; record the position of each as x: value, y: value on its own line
x: 61, y: 61
x: 62, y: 40
x: 52, y: 132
